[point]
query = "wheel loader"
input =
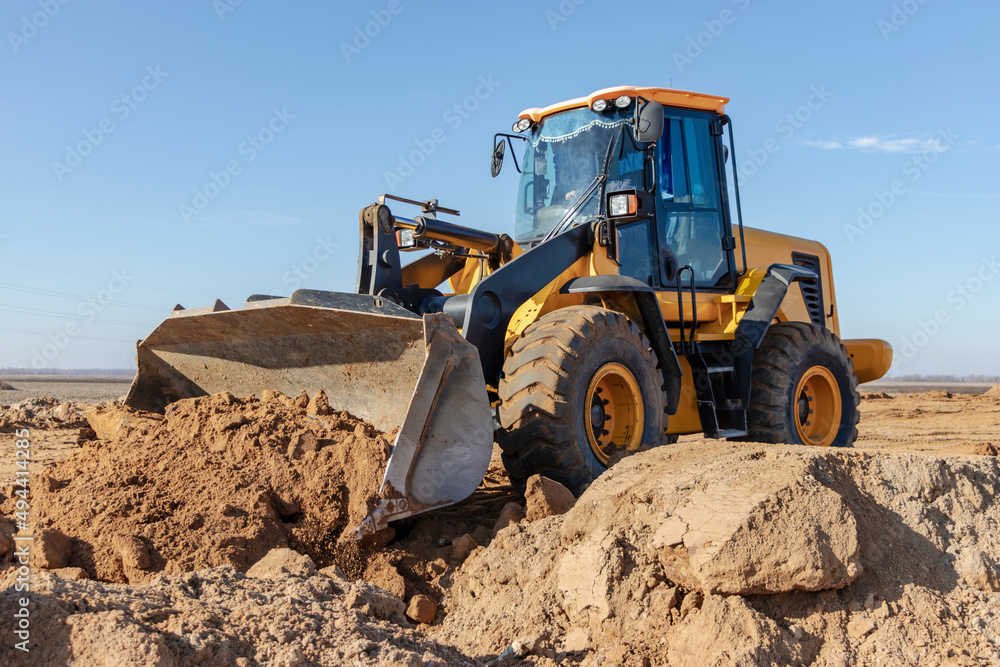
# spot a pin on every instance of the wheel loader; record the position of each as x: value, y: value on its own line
x: 629, y: 307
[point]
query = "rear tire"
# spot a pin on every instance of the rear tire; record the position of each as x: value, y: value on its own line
x: 804, y: 390
x: 580, y: 387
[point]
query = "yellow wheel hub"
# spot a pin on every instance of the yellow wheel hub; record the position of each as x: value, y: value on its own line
x: 613, y: 415
x: 818, y: 407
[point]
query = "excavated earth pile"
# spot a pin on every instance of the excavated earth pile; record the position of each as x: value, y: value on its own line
x: 43, y: 413
x: 718, y: 554
x: 214, y: 535
x: 215, y: 481
x: 283, y: 612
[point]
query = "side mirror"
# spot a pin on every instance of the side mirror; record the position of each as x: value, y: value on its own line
x: 497, y: 161
x: 647, y: 125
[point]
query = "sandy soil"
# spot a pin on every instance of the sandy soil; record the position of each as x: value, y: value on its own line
x: 87, y: 389
x: 936, y: 422
x: 895, y: 388
x: 892, y: 556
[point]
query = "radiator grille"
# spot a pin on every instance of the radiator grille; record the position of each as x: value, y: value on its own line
x: 812, y: 290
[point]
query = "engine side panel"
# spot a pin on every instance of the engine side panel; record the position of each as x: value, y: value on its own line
x: 766, y: 248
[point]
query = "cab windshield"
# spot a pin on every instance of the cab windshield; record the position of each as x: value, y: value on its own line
x: 564, y: 153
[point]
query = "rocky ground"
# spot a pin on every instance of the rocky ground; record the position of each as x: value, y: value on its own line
x: 209, y: 536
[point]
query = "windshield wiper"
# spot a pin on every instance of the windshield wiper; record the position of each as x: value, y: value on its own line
x: 601, y: 179
x: 578, y: 203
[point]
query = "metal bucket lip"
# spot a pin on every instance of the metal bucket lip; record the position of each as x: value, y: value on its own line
x: 342, y: 343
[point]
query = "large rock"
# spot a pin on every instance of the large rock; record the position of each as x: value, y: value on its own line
x: 461, y: 547
x: 111, y: 420
x: 511, y: 513
x: 133, y: 551
x: 545, y: 497
x: 754, y: 521
x: 421, y: 609
x: 51, y: 549
x: 280, y: 563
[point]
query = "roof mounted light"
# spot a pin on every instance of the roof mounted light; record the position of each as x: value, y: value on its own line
x: 623, y: 101
x: 599, y: 105
x: 522, y: 125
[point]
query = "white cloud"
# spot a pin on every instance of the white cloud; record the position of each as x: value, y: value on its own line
x: 821, y: 143
x: 874, y: 143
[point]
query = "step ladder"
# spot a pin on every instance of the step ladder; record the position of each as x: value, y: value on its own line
x: 721, y: 405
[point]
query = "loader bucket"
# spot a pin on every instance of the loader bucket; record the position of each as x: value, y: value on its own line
x: 373, y: 358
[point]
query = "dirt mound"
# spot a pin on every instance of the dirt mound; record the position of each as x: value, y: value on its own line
x: 216, y: 481
x: 43, y: 413
x: 993, y: 391
x: 934, y: 395
x: 6, y: 386
x: 986, y: 449
x: 874, y: 395
x: 285, y: 616
x: 790, y: 554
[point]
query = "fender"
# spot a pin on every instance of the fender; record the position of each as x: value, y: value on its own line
x: 652, y: 320
x: 759, y: 315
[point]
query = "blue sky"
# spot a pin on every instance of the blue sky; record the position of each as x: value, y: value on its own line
x: 156, y: 153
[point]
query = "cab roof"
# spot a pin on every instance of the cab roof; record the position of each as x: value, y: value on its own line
x: 665, y: 96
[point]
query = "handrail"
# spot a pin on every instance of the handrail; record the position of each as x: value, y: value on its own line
x: 680, y: 308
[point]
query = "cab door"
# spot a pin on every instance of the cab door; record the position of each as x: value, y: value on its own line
x: 692, y: 228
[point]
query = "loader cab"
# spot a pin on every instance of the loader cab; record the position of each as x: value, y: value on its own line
x: 685, y: 222
x: 690, y: 226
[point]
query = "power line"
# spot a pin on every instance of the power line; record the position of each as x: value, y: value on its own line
x: 48, y: 333
x: 77, y: 297
x: 49, y: 313
x: 101, y: 280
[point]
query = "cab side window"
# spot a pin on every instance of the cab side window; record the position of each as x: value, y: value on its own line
x: 689, y: 220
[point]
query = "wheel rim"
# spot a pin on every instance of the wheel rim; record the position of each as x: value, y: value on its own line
x: 614, y: 414
x: 818, y: 407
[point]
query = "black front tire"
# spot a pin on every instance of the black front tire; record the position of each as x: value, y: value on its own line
x: 551, y: 392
